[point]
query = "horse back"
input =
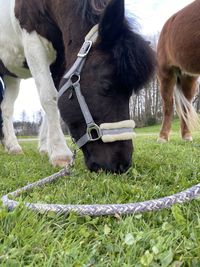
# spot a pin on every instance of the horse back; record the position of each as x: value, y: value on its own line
x: 179, y: 40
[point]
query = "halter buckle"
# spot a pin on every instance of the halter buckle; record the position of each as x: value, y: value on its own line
x: 94, y: 132
x: 85, y: 49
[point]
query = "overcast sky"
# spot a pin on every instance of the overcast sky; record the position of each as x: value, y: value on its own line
x: 150, y: 14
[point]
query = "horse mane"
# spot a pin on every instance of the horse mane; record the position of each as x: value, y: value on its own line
x: 132, y: 54
x: 133, y: 57
x: 91, y: 9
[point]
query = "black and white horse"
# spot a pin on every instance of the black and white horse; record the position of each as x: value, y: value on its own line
x: 41, y: 39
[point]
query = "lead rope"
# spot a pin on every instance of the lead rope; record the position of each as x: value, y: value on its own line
x: 97, y: 209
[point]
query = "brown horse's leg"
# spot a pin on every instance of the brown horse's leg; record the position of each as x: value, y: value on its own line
x: 167, y: 81
x: 189, y: 87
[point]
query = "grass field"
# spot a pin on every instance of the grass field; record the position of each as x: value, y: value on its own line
x: 169, y: 237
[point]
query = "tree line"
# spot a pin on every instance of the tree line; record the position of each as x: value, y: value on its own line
x: 26, y: 127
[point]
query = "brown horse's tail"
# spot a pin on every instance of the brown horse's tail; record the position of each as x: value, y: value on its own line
x: 185, y: 109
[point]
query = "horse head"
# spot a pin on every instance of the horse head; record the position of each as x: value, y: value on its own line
x: 119, y: 63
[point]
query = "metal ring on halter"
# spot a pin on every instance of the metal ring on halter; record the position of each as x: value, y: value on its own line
x: 98, y: 133
x: 77, y: 77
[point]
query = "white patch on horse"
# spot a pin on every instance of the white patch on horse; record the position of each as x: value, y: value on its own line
x: 10, y: 141
x: 11, y: 42
x: 39, y: 60
x: 42, y: 146
x: 11, y: 49
x: 41, y: 46
x: 16, y: 47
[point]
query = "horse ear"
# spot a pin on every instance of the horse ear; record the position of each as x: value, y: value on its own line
x: 111, y: 23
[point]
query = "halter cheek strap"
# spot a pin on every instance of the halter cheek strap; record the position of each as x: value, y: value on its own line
x: 107, y: 132
x: 76, y: 68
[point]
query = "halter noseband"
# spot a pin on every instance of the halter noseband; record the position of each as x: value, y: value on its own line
x: 107, y: 132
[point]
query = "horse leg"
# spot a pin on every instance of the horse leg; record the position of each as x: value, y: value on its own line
x: 189, y: 88
x: 42, y: 146
x: 167, y: 81
x: 39, y: 59
x: 11, y: 92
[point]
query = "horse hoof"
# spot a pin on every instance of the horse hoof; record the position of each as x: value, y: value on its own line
x: 188, y: 138
x: 162, y: 140
x: 62, y: 162
x: 16, y: 151
x: 43, y: 152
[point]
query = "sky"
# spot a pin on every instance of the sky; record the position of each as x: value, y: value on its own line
x: 150, y: 15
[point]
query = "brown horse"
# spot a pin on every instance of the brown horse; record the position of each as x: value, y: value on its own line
x: 178, y: 55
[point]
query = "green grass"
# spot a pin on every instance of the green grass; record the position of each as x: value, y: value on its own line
x: 156, y: 128
x: 164, y: 238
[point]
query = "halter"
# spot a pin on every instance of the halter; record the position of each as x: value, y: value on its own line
x: 107, y: 132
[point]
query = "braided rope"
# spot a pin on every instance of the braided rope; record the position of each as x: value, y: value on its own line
x: 96, y: 209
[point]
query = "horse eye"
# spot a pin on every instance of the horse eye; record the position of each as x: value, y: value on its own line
x: 106, y: 89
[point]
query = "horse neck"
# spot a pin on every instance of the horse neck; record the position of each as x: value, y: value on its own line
x: 71, y: 32
x: 69, y: 22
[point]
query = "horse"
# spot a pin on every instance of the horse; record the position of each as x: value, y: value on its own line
x: 86, y: 64
x: 178, y: 69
